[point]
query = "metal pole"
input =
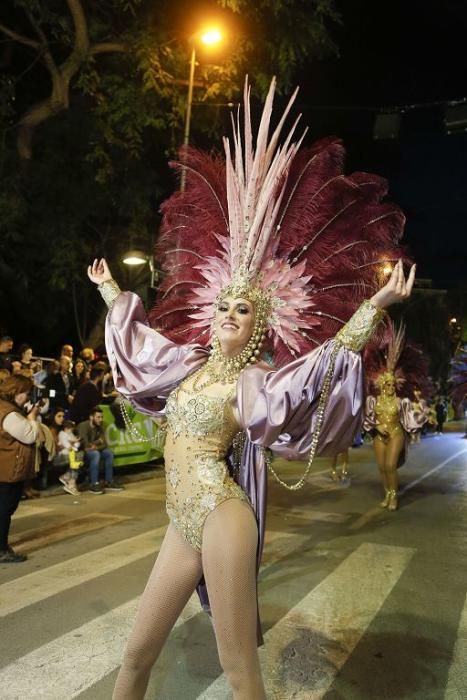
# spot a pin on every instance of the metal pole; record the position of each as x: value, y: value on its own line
x: 186, y: 135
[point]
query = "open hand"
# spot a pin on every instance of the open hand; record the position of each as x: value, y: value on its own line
x: 99, y: 271
x: 396, y: 289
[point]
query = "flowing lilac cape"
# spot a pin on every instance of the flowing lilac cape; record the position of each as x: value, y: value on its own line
x: 276, y: 408
x: 411, y: 421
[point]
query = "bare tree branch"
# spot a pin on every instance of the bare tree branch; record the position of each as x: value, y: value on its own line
x: 61, y: 76
x: 37, y: 29
x: 19, y: 37
x: 47, y: 57
x: 81, y: 45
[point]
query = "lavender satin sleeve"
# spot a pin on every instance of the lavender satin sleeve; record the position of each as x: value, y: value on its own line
x: 369, y: 420
x: 412, y: 421
x: 278, y: 408
x: 146, y: 367
x: 421, y: 412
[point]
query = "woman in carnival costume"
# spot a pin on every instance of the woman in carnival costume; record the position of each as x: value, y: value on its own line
x: 393, y: 370
x: 271, y: 249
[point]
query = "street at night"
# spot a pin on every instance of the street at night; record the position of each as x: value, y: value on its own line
x: 356, y: 602
x: 233, y: 350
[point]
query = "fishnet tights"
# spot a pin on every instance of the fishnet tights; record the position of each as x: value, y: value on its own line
x: 228, y: 560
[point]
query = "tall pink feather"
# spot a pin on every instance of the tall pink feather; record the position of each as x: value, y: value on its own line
x: 316, y: 238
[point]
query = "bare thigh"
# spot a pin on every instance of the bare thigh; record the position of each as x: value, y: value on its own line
x: 380, y: 452
x: 393, y: 450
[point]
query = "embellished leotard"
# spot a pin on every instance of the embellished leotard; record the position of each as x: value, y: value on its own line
x: 388, y: 422
x: 200, y: 429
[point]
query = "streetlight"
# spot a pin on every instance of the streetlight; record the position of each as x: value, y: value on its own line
x: 209, y: 37
x: 136, y: 257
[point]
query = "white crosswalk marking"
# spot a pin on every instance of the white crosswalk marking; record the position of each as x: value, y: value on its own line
x: 48, y: 672
x: 27, y: 511
x: 456, y: 688
x: 75, y: 661
x: 39, y: 585
x: 314, y: 515
x: 143, y: 495
x: 326, y: 625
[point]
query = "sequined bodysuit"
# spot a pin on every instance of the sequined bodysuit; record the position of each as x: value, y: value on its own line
x: 200, y: 429
x: 387, y: 412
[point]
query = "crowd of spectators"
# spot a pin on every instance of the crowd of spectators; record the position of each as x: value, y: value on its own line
x: 66, y: 393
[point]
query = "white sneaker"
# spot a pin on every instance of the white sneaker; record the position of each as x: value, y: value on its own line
x: 71, y: 489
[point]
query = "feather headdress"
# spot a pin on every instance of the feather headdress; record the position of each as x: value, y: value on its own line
x: 403, y: 362
x: 279, y: 224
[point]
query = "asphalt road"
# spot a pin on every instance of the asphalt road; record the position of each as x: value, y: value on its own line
x: 356, y: 602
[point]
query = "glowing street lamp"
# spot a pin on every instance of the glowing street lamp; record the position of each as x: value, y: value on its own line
x: 136, y: 257
x: 211, y: 36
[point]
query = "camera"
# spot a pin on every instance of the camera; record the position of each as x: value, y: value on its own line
x: 37, y: 393
x: 40, y: 394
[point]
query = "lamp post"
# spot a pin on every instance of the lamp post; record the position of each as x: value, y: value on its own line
x: 209, y: 37
x: 138, y: 257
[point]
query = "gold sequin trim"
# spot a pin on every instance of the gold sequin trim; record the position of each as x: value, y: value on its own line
x: 359, y: 329
x: 109, y: 291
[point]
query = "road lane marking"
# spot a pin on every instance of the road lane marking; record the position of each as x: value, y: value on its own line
x: 38, y: 585
x: 27, y: 511
x: 140, y: 496
x: 325, y: 625
x: 97, y: 646
x: 313, y: 515
x: 70, y: 664
x: 377, y: 510
x: 456, y: 687
x: 37, y: 538
x: 432, y: 471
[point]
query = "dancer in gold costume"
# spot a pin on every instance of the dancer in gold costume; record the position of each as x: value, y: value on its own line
x: 246, y: 250
x: 392, y: 420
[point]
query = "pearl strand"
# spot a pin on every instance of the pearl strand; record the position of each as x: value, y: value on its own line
x: 323, y: 399
x: 134, y: 432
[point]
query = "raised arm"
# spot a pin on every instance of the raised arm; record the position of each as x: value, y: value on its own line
x: 315, y: 402
x: 146, y: 366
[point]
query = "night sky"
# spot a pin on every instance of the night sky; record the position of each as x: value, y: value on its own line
x: 403, y: 54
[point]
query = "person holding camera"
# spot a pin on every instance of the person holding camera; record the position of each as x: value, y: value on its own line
x: 18, y: 437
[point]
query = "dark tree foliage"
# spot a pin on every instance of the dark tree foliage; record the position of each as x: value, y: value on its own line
x: 92, y: 104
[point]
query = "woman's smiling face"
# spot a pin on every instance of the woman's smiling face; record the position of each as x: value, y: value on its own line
x: 234, y: 323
